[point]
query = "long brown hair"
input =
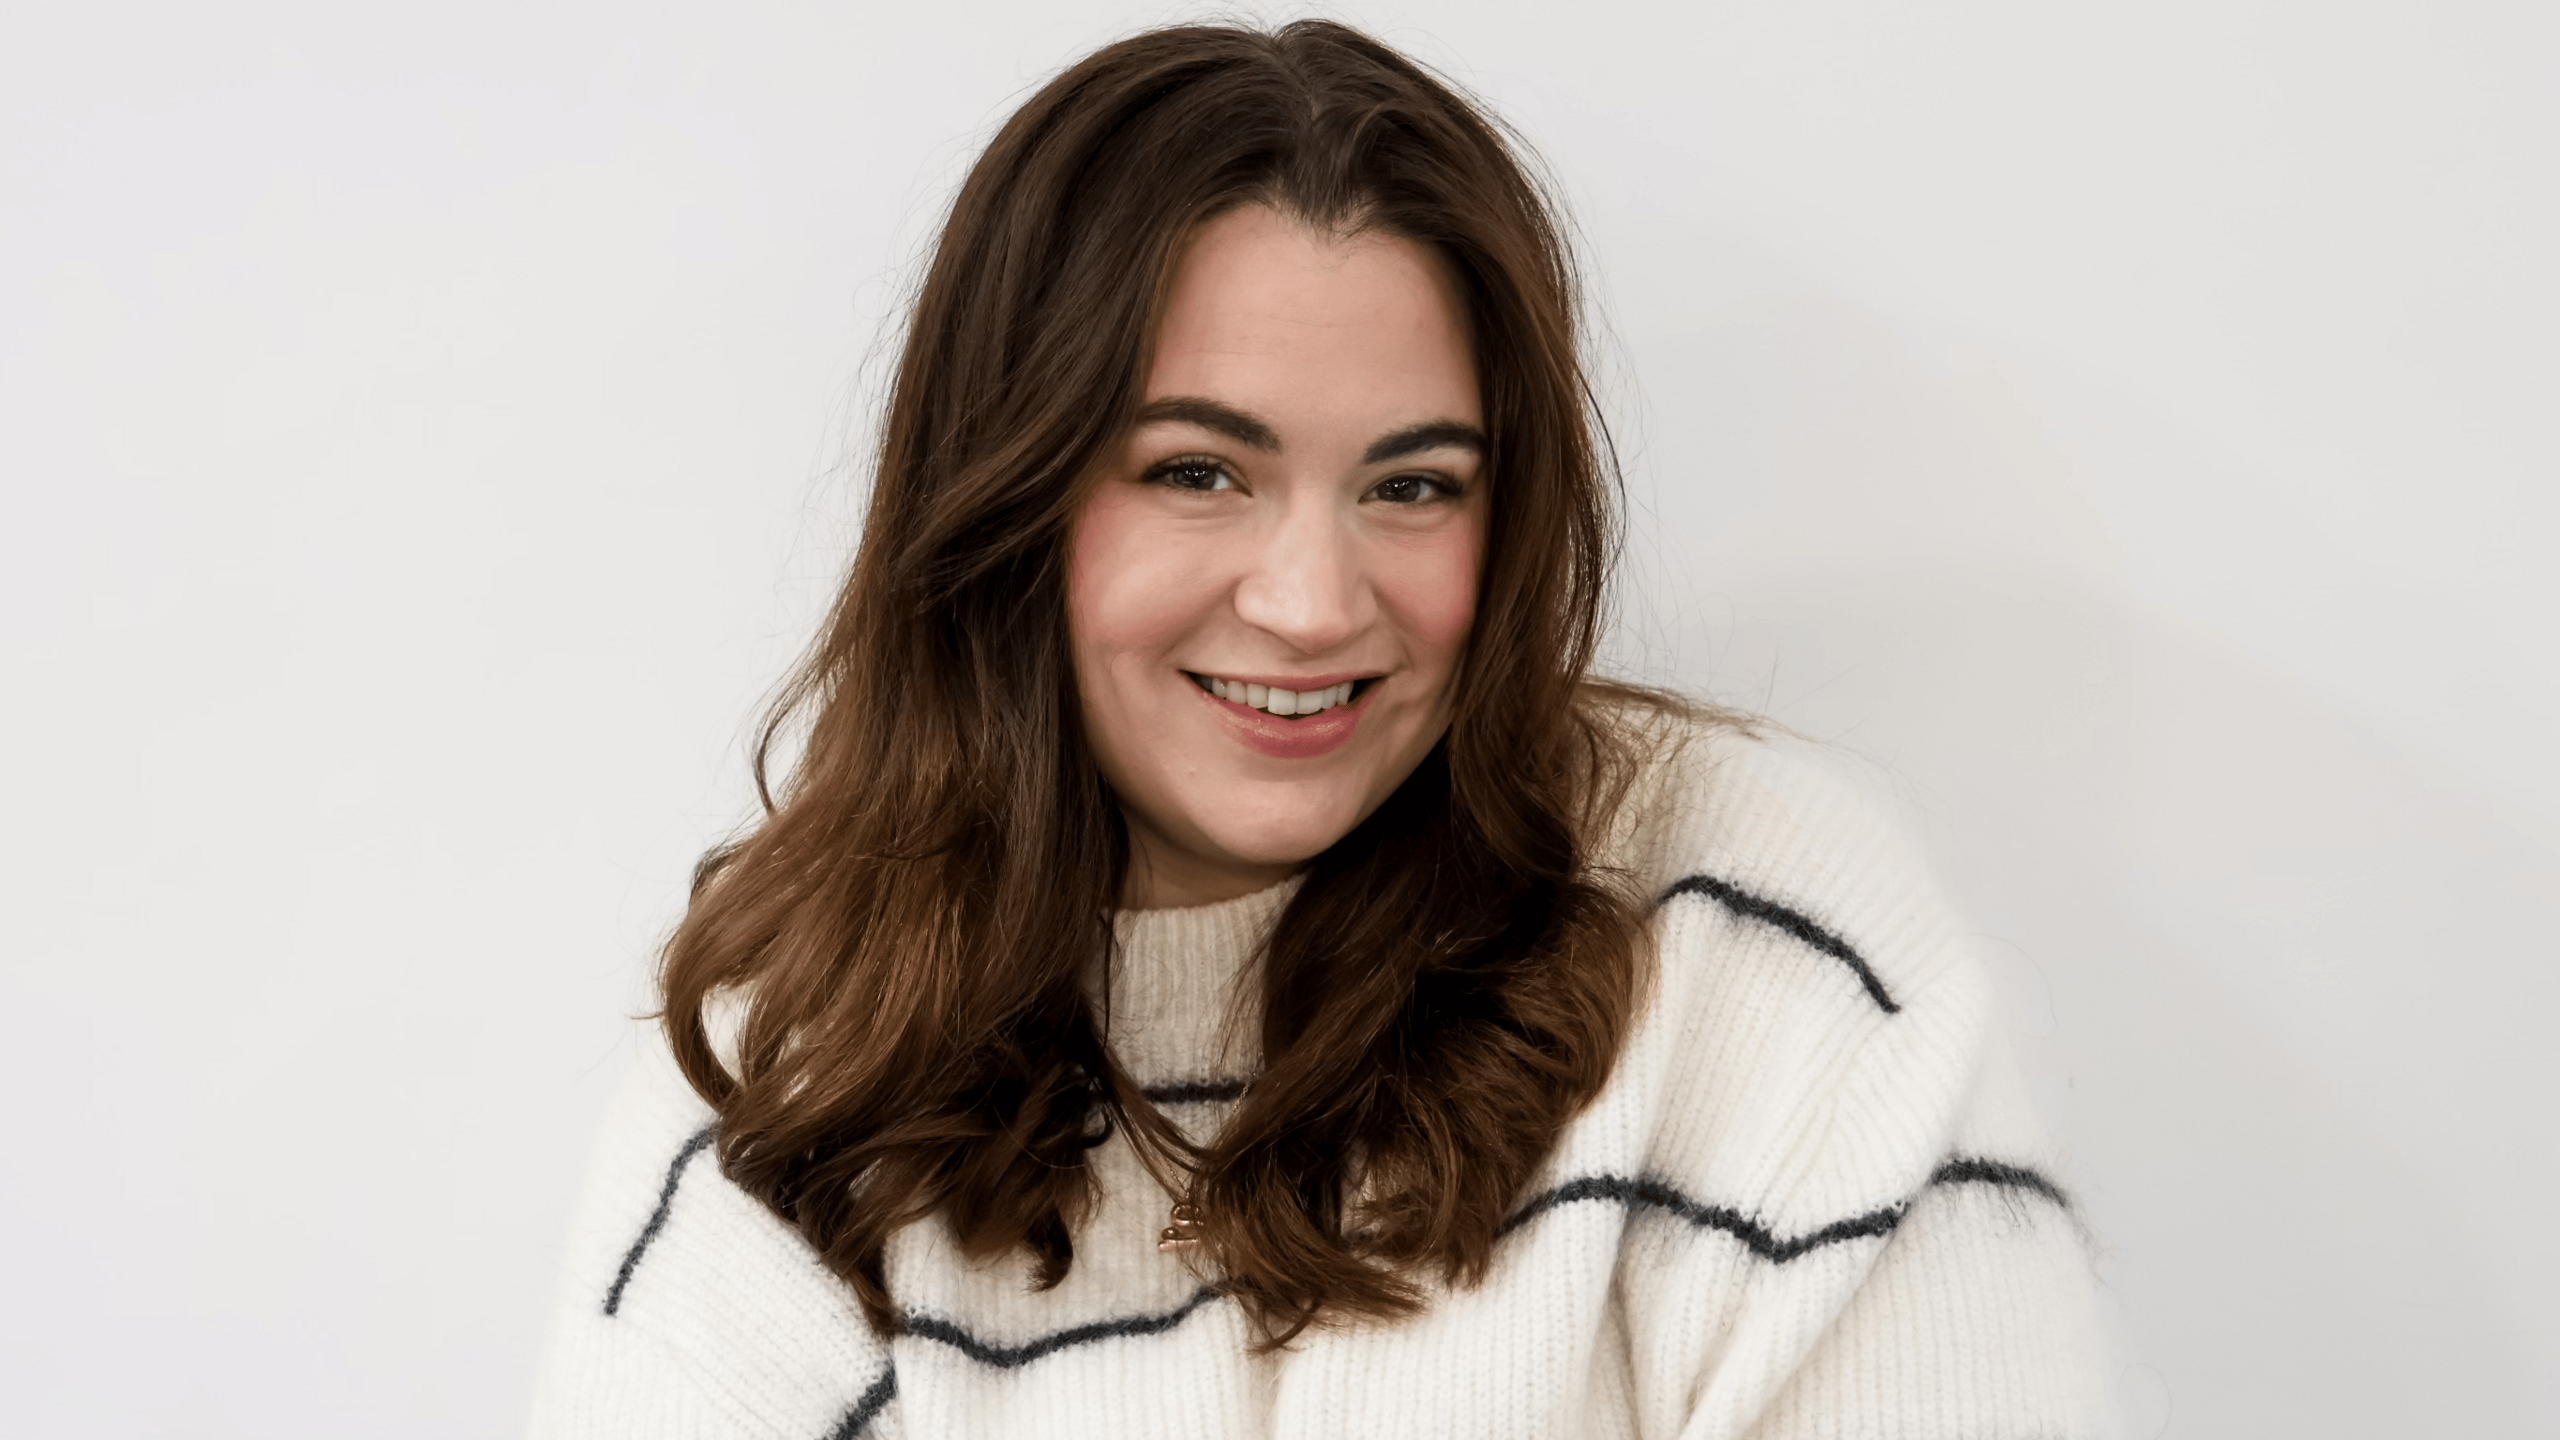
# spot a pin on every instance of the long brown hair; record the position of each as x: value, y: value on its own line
x: 913, y: 923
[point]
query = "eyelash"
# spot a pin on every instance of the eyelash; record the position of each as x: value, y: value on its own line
x: 1163, y: 471
x: 1449, y: 489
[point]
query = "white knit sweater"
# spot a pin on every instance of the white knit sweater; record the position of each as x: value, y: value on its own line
x: 1812, y: 1201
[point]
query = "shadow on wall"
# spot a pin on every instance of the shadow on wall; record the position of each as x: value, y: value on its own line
x: 2281, y: 992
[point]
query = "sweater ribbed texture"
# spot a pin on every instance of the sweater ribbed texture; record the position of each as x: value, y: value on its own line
x: 1812, y: 1200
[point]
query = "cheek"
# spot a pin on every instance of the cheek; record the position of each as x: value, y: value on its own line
x: 1430, y: 589
x: 1129, y: 596
x: 1097, y: 553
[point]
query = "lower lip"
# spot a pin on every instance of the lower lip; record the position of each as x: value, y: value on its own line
x: 1299, y: 739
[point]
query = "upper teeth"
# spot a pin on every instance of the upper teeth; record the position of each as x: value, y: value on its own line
x: 1279, y: 701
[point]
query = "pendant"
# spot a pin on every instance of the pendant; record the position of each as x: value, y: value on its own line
x: 1185, y: 1231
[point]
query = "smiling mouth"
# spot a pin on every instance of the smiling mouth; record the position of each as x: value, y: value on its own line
x: 1285, y: 704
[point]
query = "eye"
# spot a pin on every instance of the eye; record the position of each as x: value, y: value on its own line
x: 1190, y: 472
x: 1416, y: 489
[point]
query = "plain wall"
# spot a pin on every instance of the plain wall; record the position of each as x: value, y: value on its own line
x: 424, y: 433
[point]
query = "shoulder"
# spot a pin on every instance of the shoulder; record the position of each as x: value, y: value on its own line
x: 1732, y: 813
x: 1821, y: 1084
x: 1819, y: 1018
x: 670, y: 1265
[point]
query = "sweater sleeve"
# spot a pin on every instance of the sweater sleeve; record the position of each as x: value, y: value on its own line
x: 1978, y: 1315
x: 1836, y: 1095
x: 599, y: 1383
x: 686, y: 1310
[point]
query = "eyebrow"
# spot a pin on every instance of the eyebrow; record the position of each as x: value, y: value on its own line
x: 1429, y: 435
x: 1227, y: 420
x: 1248, y: 429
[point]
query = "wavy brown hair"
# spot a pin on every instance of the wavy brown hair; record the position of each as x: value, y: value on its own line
x: 913, y: 925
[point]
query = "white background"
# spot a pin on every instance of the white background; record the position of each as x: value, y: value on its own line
x: 2128, y: 429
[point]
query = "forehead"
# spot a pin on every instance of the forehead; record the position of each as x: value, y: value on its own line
x: 1276, y: 316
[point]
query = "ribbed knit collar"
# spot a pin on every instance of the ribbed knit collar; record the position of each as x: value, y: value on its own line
x: 1182, y: 986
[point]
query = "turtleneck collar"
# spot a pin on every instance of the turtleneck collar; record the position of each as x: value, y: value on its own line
x: 1182, y: 997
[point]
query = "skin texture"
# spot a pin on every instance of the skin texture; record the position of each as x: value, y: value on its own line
x: 1249, y: 527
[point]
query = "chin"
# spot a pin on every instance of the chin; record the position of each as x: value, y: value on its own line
x: 1276, y: 838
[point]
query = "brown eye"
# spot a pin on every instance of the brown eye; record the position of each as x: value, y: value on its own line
x: 1414, y: 489
x: 1199, y: 475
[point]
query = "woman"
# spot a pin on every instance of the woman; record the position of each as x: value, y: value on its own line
x: 1220, y: 965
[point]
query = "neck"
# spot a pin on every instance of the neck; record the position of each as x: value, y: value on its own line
x: 1166, y: 876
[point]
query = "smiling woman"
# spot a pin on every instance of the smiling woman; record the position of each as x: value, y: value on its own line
x: 1221, y: 964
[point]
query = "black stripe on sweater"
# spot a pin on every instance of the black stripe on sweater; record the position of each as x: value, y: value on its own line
x: 1009, y: 1357
x: 1975, y: 1170
x: 1638, y: 1194
x: 1635, y: 1194
x: 1794, y: 922
x: 1194, y: 1092
x: 657, y: 1218
x: 868, y: 1408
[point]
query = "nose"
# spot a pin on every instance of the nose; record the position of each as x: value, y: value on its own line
x: 1308, y: 584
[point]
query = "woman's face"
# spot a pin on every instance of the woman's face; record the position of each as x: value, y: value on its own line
x: 1269, y: 587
